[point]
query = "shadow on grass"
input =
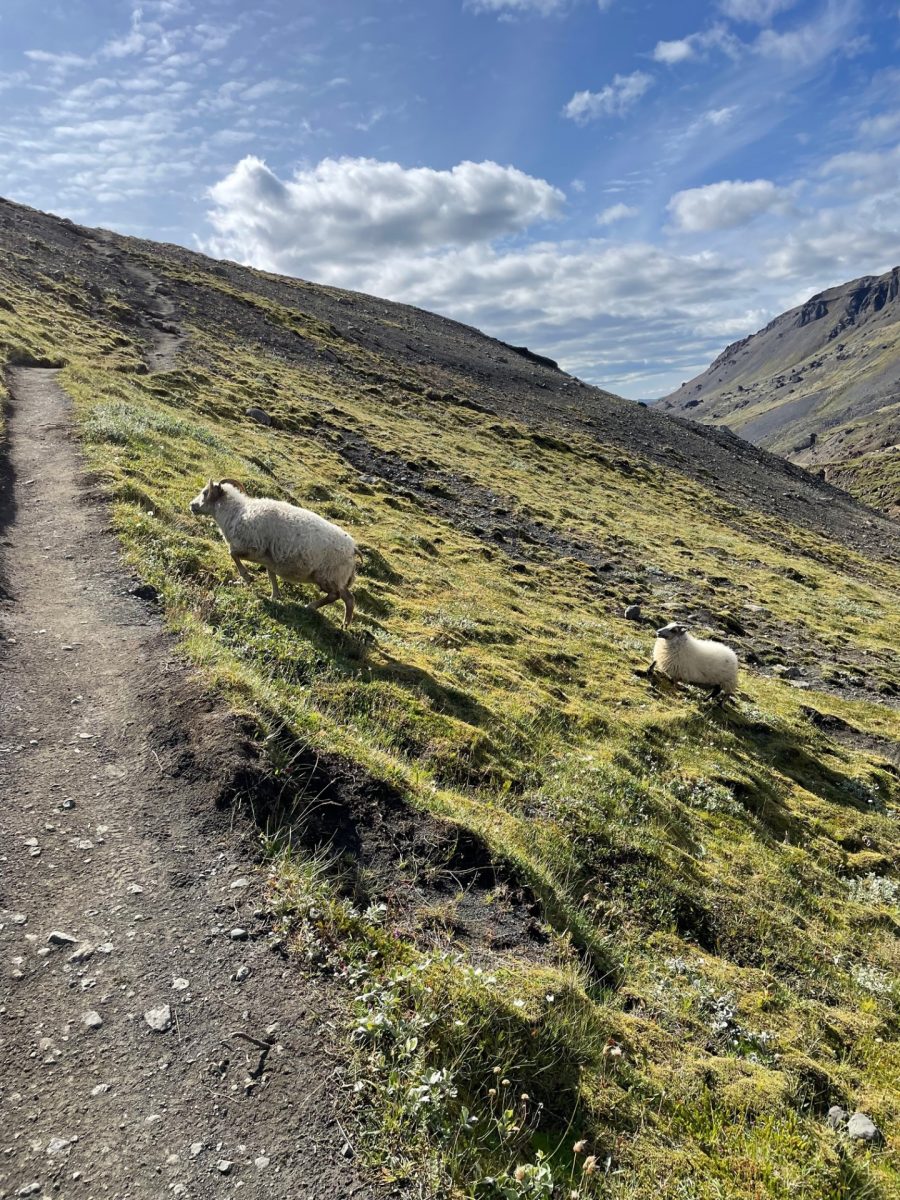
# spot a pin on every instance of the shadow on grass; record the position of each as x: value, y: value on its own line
x: 348, y: 651
x: 789, y: 754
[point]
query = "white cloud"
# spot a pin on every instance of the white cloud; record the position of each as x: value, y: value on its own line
x: 674, y: 52
x: 809, y: 44
x: 725, y: 205
x: 696, y: 44
x: 123, y: 47
x: 613, y: 100
x: 837, y: 244
x: 57, y: 65
x: 543, y: 8
x: 882, y: 127
x: 864, y: 172
x: 616, y: 212
x: 756, y: 12
x: 585, y: 302
x: 11, y: 79
x: 132, y: 117
x: 358, y: 209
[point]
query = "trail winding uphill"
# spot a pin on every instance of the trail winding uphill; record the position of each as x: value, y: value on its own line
x: 127, y: 889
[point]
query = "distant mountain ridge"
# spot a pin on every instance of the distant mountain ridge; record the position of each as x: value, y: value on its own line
x: 820, y: 384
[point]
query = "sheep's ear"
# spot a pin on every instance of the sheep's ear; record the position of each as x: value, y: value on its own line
x: 214, y: 490
x: 234, y: 483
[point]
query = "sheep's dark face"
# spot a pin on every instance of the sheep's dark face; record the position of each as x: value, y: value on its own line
x: 671, y: 632
x: 203, y: 503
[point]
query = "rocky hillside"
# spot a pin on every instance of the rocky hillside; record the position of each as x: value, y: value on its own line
x: 565, y: 905
x: 819, y: 385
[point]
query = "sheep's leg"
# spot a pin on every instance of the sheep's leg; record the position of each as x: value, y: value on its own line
x: 242, y: 570
x: 328, y: 598
x: 716, y: 692
x: 349, y: 605
x: 651, y: 669
x: 273, y: 579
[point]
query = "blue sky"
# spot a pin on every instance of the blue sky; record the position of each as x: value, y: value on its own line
x: 626, y: 185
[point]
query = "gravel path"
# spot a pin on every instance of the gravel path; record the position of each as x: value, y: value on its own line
x: 152, y: 1040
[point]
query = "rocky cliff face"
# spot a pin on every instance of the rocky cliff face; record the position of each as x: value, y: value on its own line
x: 820, y: 385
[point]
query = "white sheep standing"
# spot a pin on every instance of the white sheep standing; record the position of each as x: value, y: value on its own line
x: 289, y: 541
x: 687, y: 659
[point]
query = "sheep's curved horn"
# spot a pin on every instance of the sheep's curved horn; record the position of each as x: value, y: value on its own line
x: 234, y: 483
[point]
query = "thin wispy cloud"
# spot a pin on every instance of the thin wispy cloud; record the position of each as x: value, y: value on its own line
x: 617, y: 212
x: 757, y: 12
x: 811, y: 42
x: 613, y: 100
x: 542, y: 8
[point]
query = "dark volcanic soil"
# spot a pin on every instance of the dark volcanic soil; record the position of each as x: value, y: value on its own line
x: 124, y: 872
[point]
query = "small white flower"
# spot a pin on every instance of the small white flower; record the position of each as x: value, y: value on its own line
x: 518, y: 1003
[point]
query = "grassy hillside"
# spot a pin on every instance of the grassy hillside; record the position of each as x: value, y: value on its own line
x: 564, y: 906
x: 820, y: 385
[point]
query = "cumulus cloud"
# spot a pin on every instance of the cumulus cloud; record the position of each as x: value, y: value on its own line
x: 756, y: 12
x: 614, y: 100
x: 616, y: 212
x: 674, y: 52
x: 359, y: 208
x: 725, y: 205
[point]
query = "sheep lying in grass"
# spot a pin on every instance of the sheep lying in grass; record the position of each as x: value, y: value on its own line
x: 688, y: 659
x: 292, y: 542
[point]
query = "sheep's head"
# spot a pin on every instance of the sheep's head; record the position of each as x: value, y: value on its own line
x: 204, y: 503
x: 671, y: 632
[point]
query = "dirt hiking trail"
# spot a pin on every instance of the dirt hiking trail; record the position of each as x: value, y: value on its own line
x: 153, y: 307
x: 128, y: 892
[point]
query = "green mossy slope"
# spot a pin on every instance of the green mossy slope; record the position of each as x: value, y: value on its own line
x: 703, y: 902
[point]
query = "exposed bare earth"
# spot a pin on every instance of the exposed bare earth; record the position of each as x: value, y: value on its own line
x: 116, y: 772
